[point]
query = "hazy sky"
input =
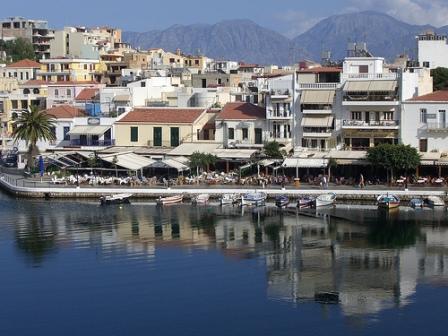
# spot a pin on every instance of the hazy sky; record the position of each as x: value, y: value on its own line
x: 289, y: 17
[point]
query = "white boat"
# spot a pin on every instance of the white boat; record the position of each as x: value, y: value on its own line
x: 229, y: 199
x: 434, y: 201
x: 115, y: 199
x: 170, y: 200
x: 201, y: 199
x: 325, y: 200
x: 388, y: 201
x: 253, y: 199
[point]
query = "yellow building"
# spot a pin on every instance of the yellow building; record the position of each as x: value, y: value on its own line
x: 69, y: 70
x: 160, y: 127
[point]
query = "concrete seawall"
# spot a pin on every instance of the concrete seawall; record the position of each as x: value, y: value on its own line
x: 343, y: 195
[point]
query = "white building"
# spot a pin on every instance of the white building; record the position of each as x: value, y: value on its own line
x: 432, y: 50
x: 424, y: 123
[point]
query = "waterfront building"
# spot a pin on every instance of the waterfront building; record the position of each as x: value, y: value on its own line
x: 36, y: 31
x: 22, y: 71
x: 432, y: 50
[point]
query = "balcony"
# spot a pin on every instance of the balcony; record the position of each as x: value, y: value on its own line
x: 373, y: 124
x: 323, y: 111
x: 282, y: 95
x: 437, y: 127
x: 278, y: 115
x: 370, y: 100
x: 91, y: 143
x: 361, y: 76
x: 324, y: 86
x: 325, y: 134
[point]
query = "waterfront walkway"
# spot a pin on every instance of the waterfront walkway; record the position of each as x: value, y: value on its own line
x: 25, y: 187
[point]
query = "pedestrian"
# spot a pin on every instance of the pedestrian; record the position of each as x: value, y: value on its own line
x: 361, y: 181
x: 405, y: 184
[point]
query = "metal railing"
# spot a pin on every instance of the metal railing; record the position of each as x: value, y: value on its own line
x: 437, y: 126
x: 93, y: 143
x: 370, y: 76
x: 304, y: 86
x: 372, y: 123
x: 348, y: 97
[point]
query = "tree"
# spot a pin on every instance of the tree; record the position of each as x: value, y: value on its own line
x: 272, y: 150
x: 332, y: 163
x: 200, y: 161
x: 394, y: 158
x: 33, y: 126
x: 440, y: 77
x: 18, y: 49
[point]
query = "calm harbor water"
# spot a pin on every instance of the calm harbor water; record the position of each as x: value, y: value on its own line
x: 75, y: 268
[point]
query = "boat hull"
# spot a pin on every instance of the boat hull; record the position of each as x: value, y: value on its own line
x: 325, y: 200
x: 253, y: 200
x: 282, y: 203
x: 116, y: 199
x: 170, y: 200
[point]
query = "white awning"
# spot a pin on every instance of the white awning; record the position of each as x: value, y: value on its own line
x: 305, y: 163
x: 129, y: 161
x: 89, y: 130
x: 235, y: 154
x: 373, y: 85
x: 317, y: 97
x: 191, y: 147
x: 266, y: 163
x: 357, y: 86
x: 122, y: 98
x: 175, y: 165
x: 324, y: 121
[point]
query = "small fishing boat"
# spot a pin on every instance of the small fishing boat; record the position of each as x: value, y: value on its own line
x: 434, y: 201
x: 253, y: 199
x: 282, y: 201
x: 388, y: 201
x: 115, y: 199
x: 327, y: 297
x: 325, y: 200
x: 170, y: 200
x: 229, y: 199
x: 306, y: 202
x: 416, y: 203
x: 201, y: 199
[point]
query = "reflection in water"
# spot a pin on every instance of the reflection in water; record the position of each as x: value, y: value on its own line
x: 374, y: 262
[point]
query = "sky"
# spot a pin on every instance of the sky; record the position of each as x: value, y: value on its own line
x: 288, y: 17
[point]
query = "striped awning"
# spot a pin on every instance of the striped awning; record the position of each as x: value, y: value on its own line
x: 323, y: 97
x: 367, y: 86
x: 324, y: 121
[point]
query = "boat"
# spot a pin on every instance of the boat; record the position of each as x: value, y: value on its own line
x: 327, y: 297
x: 201, y: 199
x: 170, y: 200
x: 229, y: 199
x: 434, y: 201
x: 325, y: 200
x: 388, y: 201
x: 416, y: 203
x: 306, y: 202
x: 282, y: 201
x: 115, y: 199
x: 254, y: 199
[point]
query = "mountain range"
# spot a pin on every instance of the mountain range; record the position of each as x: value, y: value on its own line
x: 244, y: 40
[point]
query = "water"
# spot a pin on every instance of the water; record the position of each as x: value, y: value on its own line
x: 74, y: 268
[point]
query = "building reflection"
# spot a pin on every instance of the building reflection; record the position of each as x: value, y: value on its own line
x: 373, y: 264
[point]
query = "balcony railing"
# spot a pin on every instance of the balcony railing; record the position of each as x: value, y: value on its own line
x: 441, y: 127
x: 92, y: 143
x: 389, y: 76
x: 372, y: 123
x: 272, y: 114
x: 304, y: 86
x: 348, y: 97
x: 323, y: 111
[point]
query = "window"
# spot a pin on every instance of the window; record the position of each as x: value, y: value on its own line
x: 66, y: 135
x: 15, y: 104
x: 423, y: 116
x: 426, y: 64
x: 356, y: 115
x: 196, y: 62
x: 85, y: 66
x: 56, y: 92
x: 231, y: 133
x: 69, y: 92
x: 388, y: 116
x: 245, y: 133
x: 134, y: 134
x: 423, y: 145
x: 363, y: 69
x: 27, y: 75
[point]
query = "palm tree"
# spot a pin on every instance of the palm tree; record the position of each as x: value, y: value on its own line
x: 32, y: 126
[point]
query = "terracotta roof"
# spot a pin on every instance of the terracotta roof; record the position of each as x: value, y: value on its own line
x: 437, y: 96
x: 241, y: 111
x: 321, y: 69
x: 26, y: 63
x: 65, y: 111
x: 87, y: 94
x: 162, y: 115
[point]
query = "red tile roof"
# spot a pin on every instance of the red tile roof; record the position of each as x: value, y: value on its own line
x: 26, y: 63
x: 437, y: 96
x: 321, y: 70
x: 87, y: 94
x: 162, y: 115
x: 65, y: 111
x: 241, y: 111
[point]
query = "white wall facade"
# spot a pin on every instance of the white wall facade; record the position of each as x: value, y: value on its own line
x: 432, y: 51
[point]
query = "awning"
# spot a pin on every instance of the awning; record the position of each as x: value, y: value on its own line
x: 191, y: 147
x: 305, y: 163
x: 122, y: 98
x: 234, y: 154
x: 317, y: 97
x: 89, y: 130
x: 324, y: 121
x: 175, y: 165
x: 374, y: 85
x: 129, y: 161
x: 266, y: 163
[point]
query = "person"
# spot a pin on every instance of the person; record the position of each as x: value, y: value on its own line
x: 361, y: 182
x: 324, y: 182
x: 405, y: 184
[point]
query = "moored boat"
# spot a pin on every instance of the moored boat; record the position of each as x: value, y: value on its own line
x: 434, y: 201
x: 201, y: 199
x: 170, y: 200
x: 115, y: 199
x: 306, y: 202
x: 325, y: 200
x: 282, y: 201
x: 388, y: 201
x: 416, y: 203
x: 254, y: 199
x: 229, y: 199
